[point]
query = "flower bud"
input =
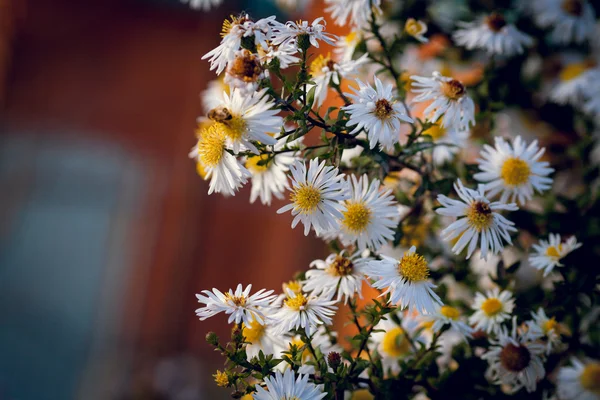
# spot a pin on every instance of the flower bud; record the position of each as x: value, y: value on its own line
x: 334, y: 359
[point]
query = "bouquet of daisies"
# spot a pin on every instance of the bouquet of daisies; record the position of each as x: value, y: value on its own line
x: 447, y: 152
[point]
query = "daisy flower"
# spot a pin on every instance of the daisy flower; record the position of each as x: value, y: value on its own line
x: 304, y: 311
x: 392, y: 341
x: 491, y: 310
x: 316, y: 195
x: 262, y: 337
x: 515, y: 359
x: 269, y: 174
x: 369, y: 216
x: 203, y: 5
x: 447, y: 315
x: 346, y: 46
x: 287, y: 386
x: 225, y: 172
x: 244, y: 72
x: 513, y: 170
x: 574, y: 82
x: 548, y: 253
x: 416, y: 29
x: 358, y: 12
x: 477, y: 217
x: 337, y: 273
x: 245, y: 117
x: 570, y: 20
x: 284, y: 53
x: 549, y: 328
x: 448, y: 142
x: 301, y: 34
x: 376, y: 111
x: 406, y: 280
x: 492, y: 34
x: 580, y: 381
x: 324, y: 70
x: 239, y: 304
x: 449, y: 99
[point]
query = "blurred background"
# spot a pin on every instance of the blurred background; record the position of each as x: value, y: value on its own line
x: 106, y: 231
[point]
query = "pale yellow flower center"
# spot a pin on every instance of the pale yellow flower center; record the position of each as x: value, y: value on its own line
x: 453, y: 89
x: 549, y: 325
x: 229, y: 24
x: 233, y: 128
x: 351, y: 37
x: 239, y: 301
x: 590, y: 378
x: 491, y: 307
x: 383, y: 109
x: 253, y: 332
x: 306, y: 198
x: 479, y: 215
x: 211, y: 146
x: 554, y: 252
x: 450, y: 312
x: 436, y: 132
x: 356, y: 217
x: 515, y: 358
x: 321, y: 62
x: 294, y: 286
x: 413, y: 267
x: 414, y: 27
x: 515, y: 172
x: 252, y: 163
x: 395, y: 343
x: 341, y: 266
x: 572, y: 71
x: 296, y: 303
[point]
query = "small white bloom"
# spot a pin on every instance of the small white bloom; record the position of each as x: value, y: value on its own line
x: 515, y: 359
x: 492, y: 34
x: 346, y: 46
x: 203, y: 5
x: 244, y: 72
x: 406, y: 280
x: 369, y: 216
x: 393, y: 343
x: 574, y: 82
x: 285, y: 53
x: 377, y: 112
x: 570, y: 20
x: 448, y: 315
x: 304, y: 311
x: 316, y: 195
x: 416, y: 29
x: 491, y: 310
x: 357, y: 12
x: 450, y: 100
x: 239, y: 304
x: 324, y: 70
x: 549, y: 328
x: 269, y: 174
x: 337, y: 273
x: 244, y: 117
x: 477, y: 217
x: 513, y: 170
x: 226, y: 173
x: 292, y: 31
x: 287, y: 386
x: 448, y: 142
x: 262, y: 337
x: 548, y: 253
x: 581, y: 381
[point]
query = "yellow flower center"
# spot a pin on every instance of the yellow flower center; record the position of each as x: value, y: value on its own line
x: 453, y: 89
x: 362, y: 394
x: 515, y: 172
x: 341, y: 266
x: 294, y: 286
x: 549, y: 325
x: 491, y: 307
x: 296, y: 303
x: 395, y: 342
x: 479, y: 215
x: 436, y: 132
x: 414, y: 27
x: 383, y: 109
x: 229, y: 24
x: 201, y: 170
x: 351, y: 37
x: 253, y: 332
x: 515, y: 358
x: 233, y: 128
x: 221, y: 378
x: 211, y: 145
x: 495, y: 22
x: 239, y: 301
x: 572, y: 71
x: 356, y: 218
x: 413, y: 267
x: 306, y: 198
x: 245, y: 67
x: 321, y: 62
x: 590, y: 378
x: 450, y: 312
x: 252, y: 163
x: 573, y: 7
x: 554, y: 252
